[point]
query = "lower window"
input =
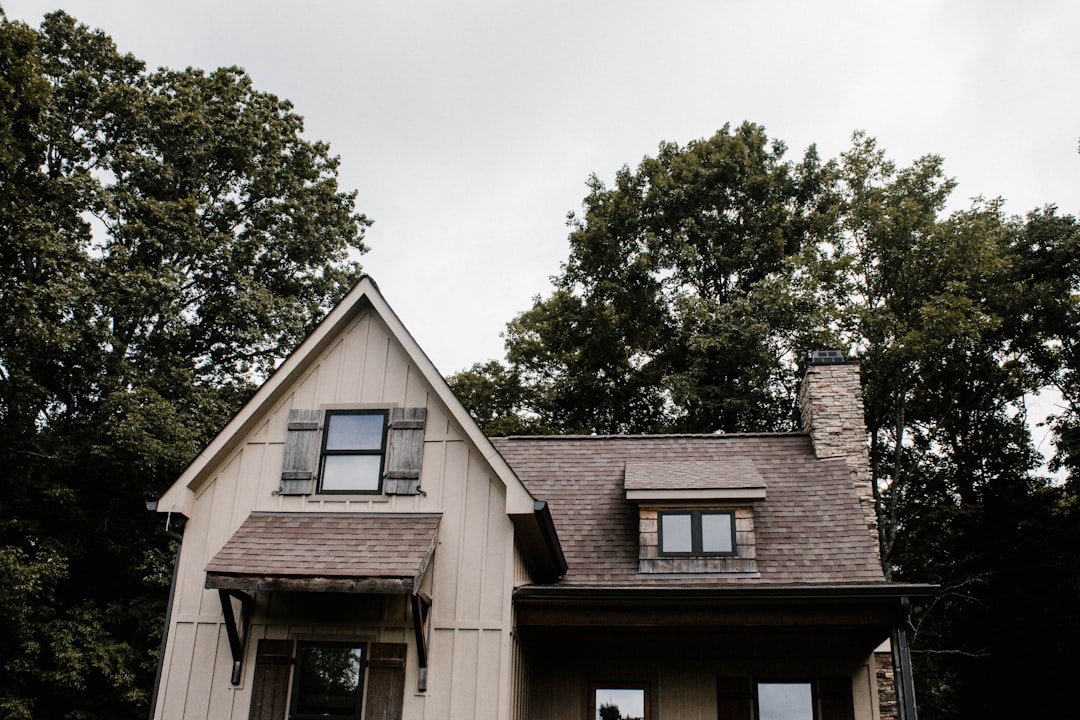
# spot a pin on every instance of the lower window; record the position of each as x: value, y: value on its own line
x: 619, y: 701
x: 785, y: 701
x: 818, y: 698
x: 328, y: 681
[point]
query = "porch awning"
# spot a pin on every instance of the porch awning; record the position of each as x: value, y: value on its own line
x: 384, y: 553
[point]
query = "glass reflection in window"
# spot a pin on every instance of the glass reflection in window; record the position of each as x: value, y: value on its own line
x: 785, y: 701
x: 620, y: 703
x: 328, y: 681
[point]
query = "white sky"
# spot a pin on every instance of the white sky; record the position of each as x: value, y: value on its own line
x: 469, y: 128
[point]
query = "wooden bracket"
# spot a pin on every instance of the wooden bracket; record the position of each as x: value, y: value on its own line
x: 421, y: 611
x: 236, y: 631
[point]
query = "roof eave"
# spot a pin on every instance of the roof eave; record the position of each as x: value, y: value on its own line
x: 539, y: 543
x: 554, y: 594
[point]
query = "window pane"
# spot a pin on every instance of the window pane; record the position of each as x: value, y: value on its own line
x: 715, y: 532
x: 785, y: 701
x: 351, y: 472
x: 620, y: 704
x: 354, y: 432
x: 675, y: 533
x: 329, y: 681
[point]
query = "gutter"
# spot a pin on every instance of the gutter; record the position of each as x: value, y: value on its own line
x: 559, y: 594
x: 901, y: 656
x: 535, y: 533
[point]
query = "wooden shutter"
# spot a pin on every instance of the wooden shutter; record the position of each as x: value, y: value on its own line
x: 270, y: 688
x: 385, y: 695
x: 301, y: 455
x: 835, y: 698
x: 404, y: 451
x: 734, y: 699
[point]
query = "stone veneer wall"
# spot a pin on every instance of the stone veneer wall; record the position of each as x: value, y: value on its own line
x: 888, y: 708
x: 831, y: 404
x: 649, y: 560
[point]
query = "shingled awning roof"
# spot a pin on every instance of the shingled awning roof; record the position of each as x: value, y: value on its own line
x: 327, y: 552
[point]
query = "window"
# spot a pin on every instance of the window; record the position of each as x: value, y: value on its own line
x: 352, y: 454
x: 697, y: 532
x: 819, y: 698
x: 619, y: 701
x: 785, y: 701
x: 328, y: 682
x: 353, y: 451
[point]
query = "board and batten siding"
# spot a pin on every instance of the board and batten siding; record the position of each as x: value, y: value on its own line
x: 681, y: 669
x: 470, y: 578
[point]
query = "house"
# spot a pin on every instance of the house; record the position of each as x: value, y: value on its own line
x: 353, y: 546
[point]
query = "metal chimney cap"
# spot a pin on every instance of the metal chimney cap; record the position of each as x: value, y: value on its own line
x: 827, y: 357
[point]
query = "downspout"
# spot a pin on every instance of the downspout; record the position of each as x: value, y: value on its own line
x: 178, y: 535
x: 905, y: 686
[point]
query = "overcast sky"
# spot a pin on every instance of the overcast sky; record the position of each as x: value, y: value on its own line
x: 469, y: 128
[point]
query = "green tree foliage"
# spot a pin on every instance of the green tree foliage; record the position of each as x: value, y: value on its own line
x: 698, y: 282
x: 496, y: 398
x: 166, y: 238
x: 674, y: 310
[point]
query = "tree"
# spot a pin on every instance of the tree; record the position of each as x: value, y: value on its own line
x: 496, y: 398
x: 168, y: 236
x: 677, y: 308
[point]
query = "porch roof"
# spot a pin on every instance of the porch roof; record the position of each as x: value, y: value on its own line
x: 327, y: 552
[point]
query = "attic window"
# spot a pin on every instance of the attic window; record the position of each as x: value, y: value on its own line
x: 717, y: 539
x: 697, y: 533
x: 363, y: 451
x: 352, y: 453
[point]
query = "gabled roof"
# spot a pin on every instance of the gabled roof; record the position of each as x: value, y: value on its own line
x: 810, y: 528
x: 364, y: 297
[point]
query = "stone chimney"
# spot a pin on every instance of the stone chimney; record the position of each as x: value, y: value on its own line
x: 831, y: 406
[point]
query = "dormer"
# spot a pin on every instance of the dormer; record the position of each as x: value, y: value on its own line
x: 695, y: 516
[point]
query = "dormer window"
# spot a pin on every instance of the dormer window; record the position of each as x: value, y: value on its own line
x: 695, y: 516
x: 696, y: 533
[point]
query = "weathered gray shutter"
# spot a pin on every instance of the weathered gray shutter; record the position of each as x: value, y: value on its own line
x: 301, y: 455
x: 734, y: 699
x: 385, y: 693
x: 404, y: 451
x: 270, y: 686
x: 836, y: 699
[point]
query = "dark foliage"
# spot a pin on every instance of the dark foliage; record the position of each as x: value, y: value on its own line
x: 165, y: 238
